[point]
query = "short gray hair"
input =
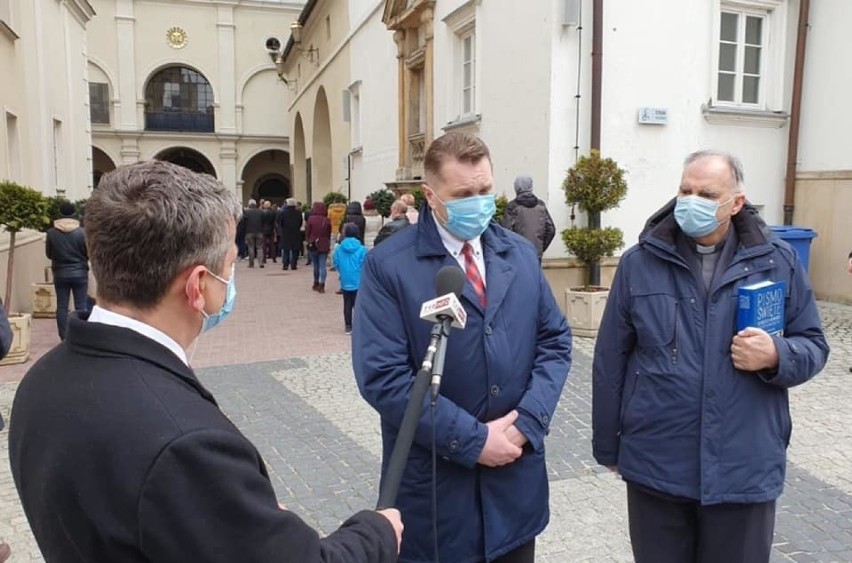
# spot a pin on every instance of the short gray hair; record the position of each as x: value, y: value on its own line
x: 734, y: 164
x: 147, y: 222
x: 399, y: 207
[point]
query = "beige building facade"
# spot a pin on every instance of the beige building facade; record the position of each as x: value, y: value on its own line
x: 193, y: 82
x: 45, y: 133
x: 315, y: 64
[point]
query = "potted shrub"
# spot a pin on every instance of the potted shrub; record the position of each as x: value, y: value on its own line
x: 20, y: 208
x: 501, y: 201
x: 383, y: 199
x: 594, y: 185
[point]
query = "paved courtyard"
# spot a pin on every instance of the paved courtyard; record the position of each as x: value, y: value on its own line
x: 280, y: 368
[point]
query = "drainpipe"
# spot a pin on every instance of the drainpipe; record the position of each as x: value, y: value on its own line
x: 796, y: 113
x: 597, y: 76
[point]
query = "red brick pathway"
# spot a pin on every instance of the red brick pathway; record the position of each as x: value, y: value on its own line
x: 277, y: 315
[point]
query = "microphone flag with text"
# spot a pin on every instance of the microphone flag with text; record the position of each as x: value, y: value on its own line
x: 445, y: 311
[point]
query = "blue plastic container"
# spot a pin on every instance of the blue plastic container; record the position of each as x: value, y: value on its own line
x: 799, y: 238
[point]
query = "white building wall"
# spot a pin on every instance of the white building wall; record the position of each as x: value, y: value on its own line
x: 661, y: 54
x: 374, y: 74
x: 826, y: 119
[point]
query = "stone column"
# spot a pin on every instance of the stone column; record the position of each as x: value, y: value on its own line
x: 227, y: 118
x: 426, y: 20
x: 402, y: 100
x: 228, y: 158
x: 125, y: 24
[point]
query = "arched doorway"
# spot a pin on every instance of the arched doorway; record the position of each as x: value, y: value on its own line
x: 321, y: 157
x: 301, y: 167
x: 267, y: 176
x: 101, y: 164
x: 188, y: 158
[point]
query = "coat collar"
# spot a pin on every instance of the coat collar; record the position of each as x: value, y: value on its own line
x: 495, y: 246
x: 102, y: 340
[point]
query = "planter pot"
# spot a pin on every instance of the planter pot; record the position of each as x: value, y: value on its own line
x: 584, y: 309
x: 20, y: 351
x: 44, y: 300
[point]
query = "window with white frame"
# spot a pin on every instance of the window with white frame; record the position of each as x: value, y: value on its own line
x: 355, y: 114
x: 13, y: 147
x: 6, y: 12
x: 468, y: 74
x: 750, y: 45
x: 462, y: 25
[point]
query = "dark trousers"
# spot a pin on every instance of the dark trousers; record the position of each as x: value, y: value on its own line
x: 672, y: 530
x: 348, y: 305
x: 64, y: 287
x: 290, y: 257
x: 523, y: 554
x: 269, y: 250
x: 254, y: 241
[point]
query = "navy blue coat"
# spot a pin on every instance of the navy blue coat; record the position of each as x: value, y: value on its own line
x: 515, y: 354
x: 669, y: 408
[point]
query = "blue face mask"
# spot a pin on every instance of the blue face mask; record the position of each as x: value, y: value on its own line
x: 467, y: 218
x: 697, y: 215
x: 230, y: 296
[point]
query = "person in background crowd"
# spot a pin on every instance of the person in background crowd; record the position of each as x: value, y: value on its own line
x: 65, y: 246
x: 268, y: 220
x: 399, y: 221
x: 502, y: 378
x: 692, y: 413
x: 411, y: 211
x: 318, y: 235
x: 118, y: 452
x: 254, y: 233
x: 528, y: 216
x: 289, y: 222
x: 372, y: 223
x: 306, y: 251
x: 355, y: 215
x: 6, y: 338
x: 242, y: 247
x: 348, y: 259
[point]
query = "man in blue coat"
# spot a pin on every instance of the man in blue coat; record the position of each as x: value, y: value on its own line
x: 690, y: 411
x: 503, y: 376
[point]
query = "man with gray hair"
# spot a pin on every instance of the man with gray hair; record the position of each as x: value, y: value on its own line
x: 692, y: 412
x: 528, y: 216
x: 254, y: 233
x: 118, y: 452
x: 399, y: 220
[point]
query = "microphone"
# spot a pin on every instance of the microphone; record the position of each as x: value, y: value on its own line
x: 446, y: 311
x: 444, y: 307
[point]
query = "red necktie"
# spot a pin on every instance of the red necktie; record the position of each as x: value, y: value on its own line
x: 472, y: 273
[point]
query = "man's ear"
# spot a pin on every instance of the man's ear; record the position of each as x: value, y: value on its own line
x: 194, y: 287
x: 739, y: 203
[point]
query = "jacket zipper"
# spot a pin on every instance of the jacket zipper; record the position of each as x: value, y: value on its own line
x: 674, y: 340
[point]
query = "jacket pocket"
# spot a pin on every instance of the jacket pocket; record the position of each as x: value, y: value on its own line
x: 654, y: 318
x: 629, y: 400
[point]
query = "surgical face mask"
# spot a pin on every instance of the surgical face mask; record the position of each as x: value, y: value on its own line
x: 697, y: 215
x: 467, y: 218
x: 230, y: 296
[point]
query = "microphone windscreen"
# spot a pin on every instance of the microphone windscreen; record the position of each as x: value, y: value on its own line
x: 450, y: 279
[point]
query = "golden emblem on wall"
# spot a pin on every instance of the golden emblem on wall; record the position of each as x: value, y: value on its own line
x: 177, y: 37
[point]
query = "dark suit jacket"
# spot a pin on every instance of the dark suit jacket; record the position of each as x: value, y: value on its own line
x: 120, y: 454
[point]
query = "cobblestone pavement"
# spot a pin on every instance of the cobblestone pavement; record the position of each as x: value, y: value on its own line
x: 322, y: 446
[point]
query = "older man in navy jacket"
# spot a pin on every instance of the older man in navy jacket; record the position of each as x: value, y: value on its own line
x: 692, y: 412
x: 503, y: 376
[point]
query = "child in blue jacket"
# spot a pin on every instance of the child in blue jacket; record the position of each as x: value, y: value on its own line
x: 348, y: 260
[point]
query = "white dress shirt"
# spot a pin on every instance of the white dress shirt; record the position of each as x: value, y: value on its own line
x: 454, y: 247
x: 101, y: 315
